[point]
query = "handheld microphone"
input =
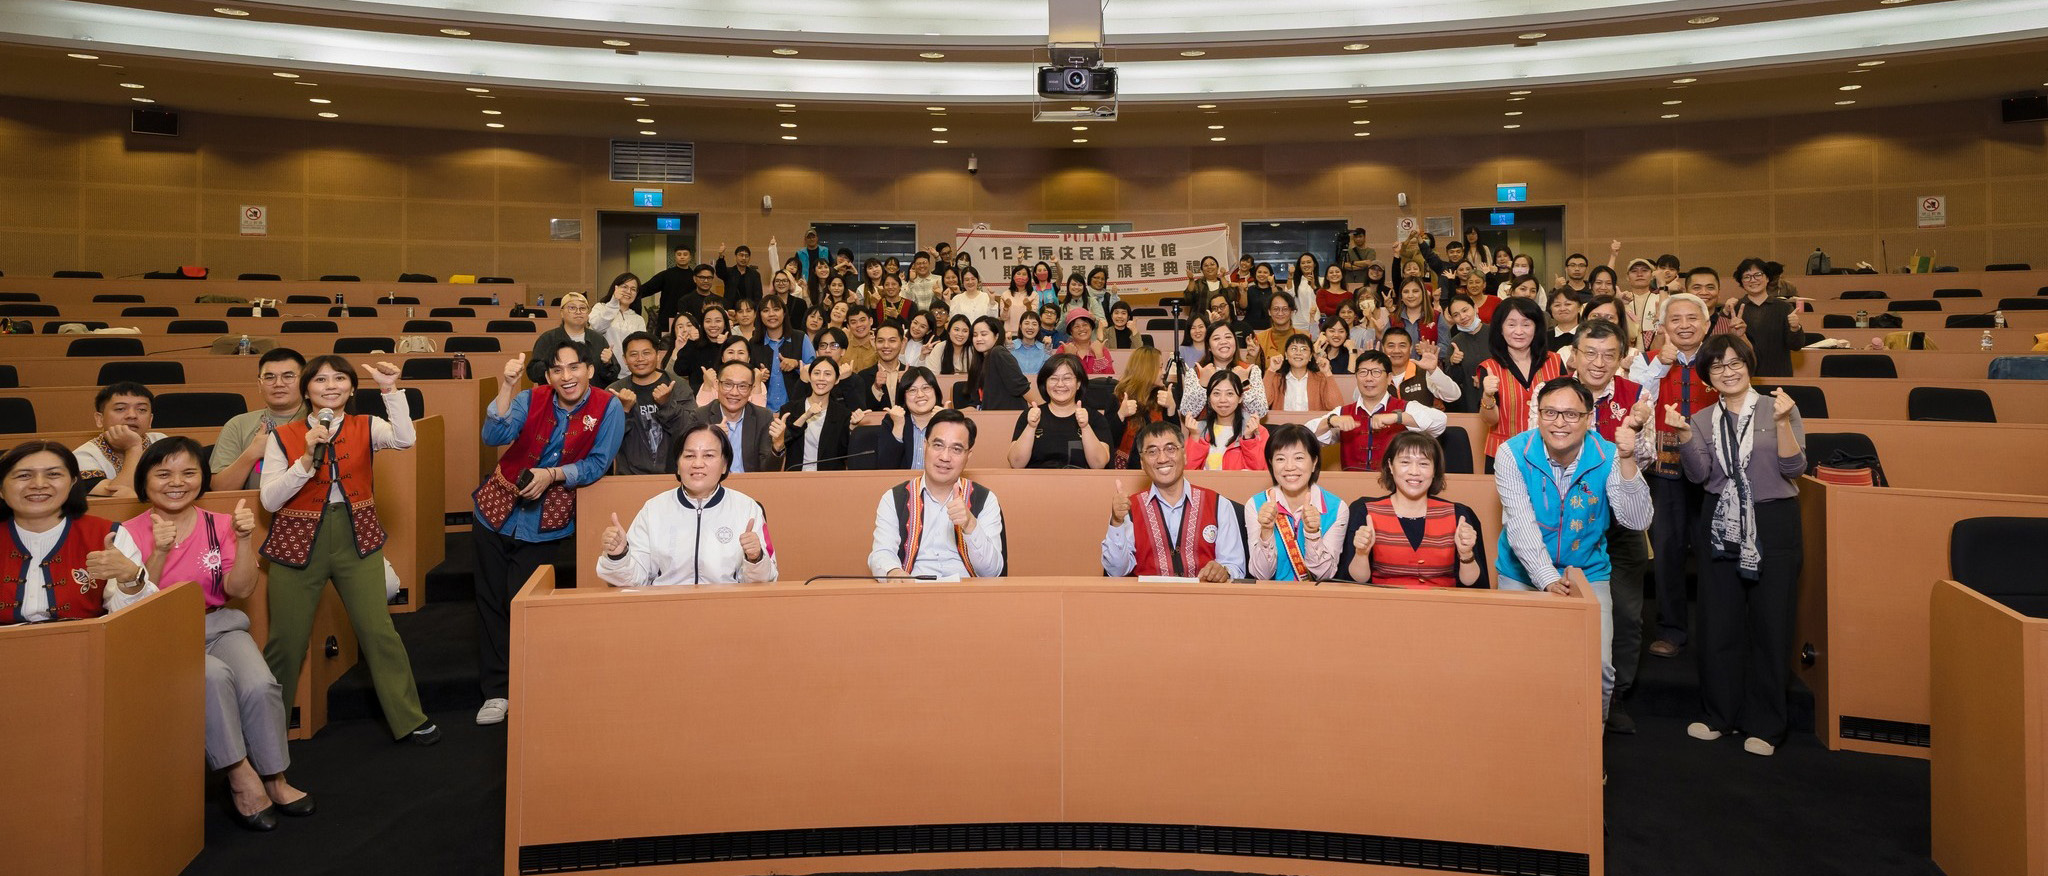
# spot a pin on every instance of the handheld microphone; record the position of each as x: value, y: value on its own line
x: 844, y: 457
x: 320, y: 452
x: 871, y: 578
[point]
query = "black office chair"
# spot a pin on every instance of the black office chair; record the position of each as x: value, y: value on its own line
x: 1100, y: 394
x: 474, y: 301
x: 427, y: 369
x: 198, y: 410
x: 148, y: 372
x: 91, y: 325
x: 1863, y: 295
x: 118, y: 298
x: 1457, y: 450
x: 510, y: 326
x: 1958, y: 293
x: 1148, y: 312
x: 1157, y: 324
x: 1970, y: 321
x: 468, y: 344
x: 1847, y: 458
x: 19, y: 296
x: 17, y: 416
x: 352, y: 310
x: 452, y: 312
x: 428, y: 327
x: 308, y: 299
x: 398, y: 299
x: 2002, y: 557
x: 494, y: 280
x: 2023, y: 304
x: 416, y: 278
x: 1941, y: 403
x: 359, y: 346
x: 78, y: 275
x: 9, y: 378
x: 2009, y: 266
x: 251, y: 311
x: 1858, y: 365
x: 21, y: 309
x: 340, y: 278
x: 309, y: 326
x: 369, y: 401
x: 269, y: 277
x: 863, y: 443
x: 104, y: 347
x: 1812, y: 400
x: 197, y: 327
x: 1914, y: 305
x: 150, y: 310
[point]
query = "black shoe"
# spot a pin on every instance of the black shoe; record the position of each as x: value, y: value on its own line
x: 299, y: 808
x: 1618, y: 720
x: 262, y: 822
x: 427, y: 734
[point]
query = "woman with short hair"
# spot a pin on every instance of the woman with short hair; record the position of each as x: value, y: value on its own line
x: 1047, y: 435
x: 699, y: 533
x: 1411, y: 537
x: 1297, y: 527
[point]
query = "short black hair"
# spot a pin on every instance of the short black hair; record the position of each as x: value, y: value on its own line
x: 1577, y: 255
x: 1598, y: 329
x: 1422, y: 441
x: 121, y: 387
x: 742, y: 248
x: 1715, y: 345
x: 1063, y: 360
x: 705, y: 269
x: 280, y: 354
x: 155, y: 455
x: 1287, y: 435
x: 680, y: 247
x: 729, y: 364
x: 1373, y: 356
x: 1282, y: 297
x: 836, y: 334
x: 1159, y: 427
x: 339, y: 365
x: 1568, y: 384
x: 1702, y: 269
x: 74, y: 505
x: 1119, y: 304
x: 1668, y: 262
x: 640, y: 336
x: 949, y: 415
x: 554, y: 351
x: 891, y: 322
x: 914, y: 374
x: 724, y: 446
x: 1496, y: 339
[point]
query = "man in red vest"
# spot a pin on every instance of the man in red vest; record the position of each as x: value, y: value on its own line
x: 1597, y: 353
x: 1669, y: 375
x: 563, y: 435
x: 1364, y: 428
x: 1175, y: 529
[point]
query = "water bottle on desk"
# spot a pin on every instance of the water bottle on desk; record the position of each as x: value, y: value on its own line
x: 1985, y: 343
x: 460, y: 368
x: 341, y: 301
x: 242, y: 346
x: 1998, y: 318
x: 1863, y: 319
x: 494, y: 299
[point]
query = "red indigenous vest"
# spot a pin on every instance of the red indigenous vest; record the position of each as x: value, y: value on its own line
x: 1395, y: 564
x: 1191, y: 549
x: 74, y: 594
x: 1609, y: 413
x: 499, y: 493
x: 349, y: 463
x: 1363, y: 448
x: 900, y: 312
x: 1680, y: 386
x: 1515, y: 398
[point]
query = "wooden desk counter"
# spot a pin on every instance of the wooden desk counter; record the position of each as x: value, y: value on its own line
x: 64, y: 291
x: 911, y: 724
x: 1989, y: 777
x: 1995, y: 284
x: 1926, y: 367
x: 1860, y: 398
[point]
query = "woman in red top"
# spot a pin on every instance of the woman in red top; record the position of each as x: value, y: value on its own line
x: 1334, y: 292
x: 65, y: 564
x: 1509, y: 378
x: 1081, y: 343
x: 1410, y: 537
x: 1225, y: 438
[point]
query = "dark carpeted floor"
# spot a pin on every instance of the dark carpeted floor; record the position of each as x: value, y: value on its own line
x: 1675, y: 806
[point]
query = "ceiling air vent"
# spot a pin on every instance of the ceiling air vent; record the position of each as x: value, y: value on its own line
x: 653, y: 161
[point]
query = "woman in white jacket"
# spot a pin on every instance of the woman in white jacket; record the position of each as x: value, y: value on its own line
x: 615, y: 317
x: 700, y: 533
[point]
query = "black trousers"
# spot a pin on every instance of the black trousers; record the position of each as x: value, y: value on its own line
x: 502, y: 566
x: 1745, y: 647
x: 1677, y: 502
x: 1628, y: 552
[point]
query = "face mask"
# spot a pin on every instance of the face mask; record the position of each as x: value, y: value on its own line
x: 1472, y: 326
x: 1521, y: 271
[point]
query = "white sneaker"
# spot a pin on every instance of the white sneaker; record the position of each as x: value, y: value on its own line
x: 493, y: 711
x: 1758, y: 747
x: 1696, y: 730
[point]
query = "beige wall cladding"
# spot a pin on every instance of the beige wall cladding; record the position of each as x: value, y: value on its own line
x: 1722, y: 215
x: 39, y: 203
x: 252, y: 172
x: 360, y: 174
x: 1645, y: 175
x: 1611, y: 218
x: 38, y: 253
x: 440, y: 220
x: 2021, y: 201
x: 115, y: 158
x: 1705, y: 173
x: 354, y: 218
x: 285, y: 257
x: 463, y: 175
x: 1825, y: 163
x: 220, y: 213
x: 131, y: 208
x: 119, y: 254
x: 1831, y: 210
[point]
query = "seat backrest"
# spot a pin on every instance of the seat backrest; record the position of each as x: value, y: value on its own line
x: 1845, y: 458
x: 415, y: 278
x: 258, y: 277
x: 398, y: 299
x: 308, y: 326
x: 1837, y: 321
x: 1100, y: 393
x: 1811, y: 400
x: 512, y: 326
x: 427, y: 369
x: 1958, y: 293
x: 19, y: 296
x: 494, y: 279
x: 118, y: 298
x: 51, y: 327
x: 359, y: 346
x: 428, y: 327
x: 352, y: 310
x: 1157, y: 324
x: 2009, y: 266
x: 1863, y: 294
x: 308, y: 299
x: 470, y: 344
x: 147, y: 372
x: 474, y: 300
x: 157, y: 310
x: 27, y: 309
x: 452, y: 312
x: 340, y: 278
x: 197, y: 327
x: 2003, y: 558
x: 368, y: 401
x: 1858, y: 365
x: 862, y: 445
x: 1970, y: 321
x: 198, y: 410
x: 9, y: 378
x: 1457, y: 450
x: 105, y: 347
x: 251, y: 311
x: 2036, y: 303
x: 1951, y: 405
x: 17, y: 416
x: 1913, y: 305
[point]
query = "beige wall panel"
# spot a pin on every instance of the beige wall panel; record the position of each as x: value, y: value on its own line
x: 2018, y: 244
x: 794, y: 189
x: 440, y: 260
x: 1713, y: 173
x: 1219, y: 188
x: 1302, y: 158
x: 1831, y: 210
x: 1653, y: 173
x: 517, y: 225
x: 558, y: 263
x: 1610, y: 143
x: 1898, y: 207
x: 1965, y: 248
x: 1085, y: 191
x: 723, y: 189
x: 934, y: 190
x: 252, y: 172
x: 38, y: 253
x: 229, y: 256
x: 1374, y: 182
x: 1146, y: 163
x: 1723, y: 254
x: 220, y: 213
x: 1154, y: 194
x: 1459, y: 152
x: 1006, y: 194
x: 1844, y: 248
x: 1610, y: 218
x: 867, y: 194
x: 1461, y: 185
x: 2020, y: 200
x: 442, y: 220
x: 462, y: 176
x: 358, y: 174
x: 1379, y: 219
x: 1832, y: 162
x: 1712, y: 215
x: 118, y: 254
x: 1550, y: 182
x: 1291, y: 194
x: 534, y: 180
x: 39, y: 203
x: 368, y: 259
x: 136, y: 160
x: 125, y: 208
x: 367, y: 219
x: 1943, y: 159
x: 36, y: 153
x: 2015, y: 150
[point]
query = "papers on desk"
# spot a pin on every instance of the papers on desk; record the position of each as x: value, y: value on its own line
x: 1166, y: 579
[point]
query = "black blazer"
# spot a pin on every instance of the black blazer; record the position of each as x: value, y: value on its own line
x: 893, y: 448
x: 1003, y: 384
x: 837, y: 425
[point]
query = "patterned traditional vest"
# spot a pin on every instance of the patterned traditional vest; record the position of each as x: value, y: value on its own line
x: 1516, y: 399
x: 910, y: 520
x: 499, y: 493
x: 1182, y: 554
x: 349, y: 464
x: 1609, y: 412
x: 1365, y: 448
x: 1290, y: 533
x: 73, y: 594
x: 1396, y: 564
x: 1680, y: 386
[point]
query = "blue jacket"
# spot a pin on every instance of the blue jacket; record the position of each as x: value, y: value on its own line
x: 1574, y: 529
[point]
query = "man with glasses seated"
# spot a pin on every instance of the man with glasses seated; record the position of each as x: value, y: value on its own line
x: 238, y: 452
x: 1559, y: 485
x: 1364, y: 428
x: 1173, y: 529
x: 756, y: 435
x: 939, y: 524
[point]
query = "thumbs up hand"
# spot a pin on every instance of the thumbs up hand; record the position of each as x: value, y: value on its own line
x: 1119, y: 505
x: 750, y: 543
x: 245, y: 519
x: 515, y: 369
x: 109, y: 564
x: 615, y: 538
x: 162, y: 531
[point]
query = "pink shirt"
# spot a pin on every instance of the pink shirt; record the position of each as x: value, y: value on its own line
x: 197, y: 558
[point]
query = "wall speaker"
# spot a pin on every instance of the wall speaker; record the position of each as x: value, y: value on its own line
x: 160, y: 122
x: 2024, y: 109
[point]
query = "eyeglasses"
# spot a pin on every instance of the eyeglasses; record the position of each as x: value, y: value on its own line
x: 1724, y: 367
x: 286, y: 377
x: 736, y: 386
x: 830, y: 345
x: 1553, y: 415
x: 1168, y: 451
x: 1371, y: 372
x: 1601, y: 356
x: 1752, y: 275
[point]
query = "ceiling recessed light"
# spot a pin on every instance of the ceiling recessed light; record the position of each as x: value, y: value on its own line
x: 1080, y: 127
x: 304, y: 82
x: 1522, y: 92
x: 1080, y: 139
x: 1890, y: 2
x: 1673, y: 102
x: 152, y: 100
x: 617, y: 43
x: 454, y: 31
x: 1362, y: 121
x: 1686, y: 81
x: 1849, y: 88
x: 1844, y: 103
x: 230, y: 10
x: 789, y: 136
x: 1858, y: 63
x: 1512, y: 113
x: 931, y: 109
x: 645, y: 121
x: 938, y: 130
x: 485, y: 96
x: 1193, y: 53
x: 111, y: 66
x: 1511, y: 127
x: 1205, y: 106
x: 1357, y: 100
x: 82, y: 56
x: 931, y: 56
x: 940, y: 142
x: 1357, y: 47
x: 330, y: 115
x: 785, y: 51
x: 1078, y: 109
x: 647, y: 133
x: 1217, y: 139
x: 494, y: 124
x: 792, y: 111
x: 1703, y: 19
x: 132, y: 85
x: 793, y: 124
x: 1215, y: 127
x: 1668, y: 116
x: 475, y: 90
x: 282, y: 75
x: 1516, y: 99
x: 1361, y: 133
x: 635, y: 100
x: 1532, y: 35
x: 785, y: 106
x: 494, y: 112
x: 318, y: 100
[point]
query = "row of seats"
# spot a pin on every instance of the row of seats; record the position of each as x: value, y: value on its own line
x: 164, y: 310
x: 198, y: 410
x: 200, y: 274
x: 115, y: 346
x: 29, y: 304
x: 1929, y: 305
x: 119, y: 345
x: 1879, y: 294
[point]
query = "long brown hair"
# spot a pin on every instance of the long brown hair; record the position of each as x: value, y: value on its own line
x: 1141, y: 377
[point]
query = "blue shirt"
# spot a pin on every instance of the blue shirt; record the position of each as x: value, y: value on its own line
x: 733, y: 432
x: 1030, y: 357
x: 778, y: 391
x: 524, y: 521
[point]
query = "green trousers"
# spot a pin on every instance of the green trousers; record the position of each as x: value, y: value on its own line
x: 295, y: 595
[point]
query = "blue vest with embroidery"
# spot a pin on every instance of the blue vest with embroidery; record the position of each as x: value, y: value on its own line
x: 1283, y: 568
x: 1573, y: 517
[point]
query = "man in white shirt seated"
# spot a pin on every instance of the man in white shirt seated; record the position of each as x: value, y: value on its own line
x: 939, y: 524
x: 1175, y: 528
x: 699, y: 533
x: 125, y: 410
x: 1365, y: 428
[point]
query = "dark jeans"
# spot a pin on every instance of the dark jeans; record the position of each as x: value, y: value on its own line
x: 1745, y: 648
x: 1628, y: 551
x: 1672, y: 530
x: 502, y: 566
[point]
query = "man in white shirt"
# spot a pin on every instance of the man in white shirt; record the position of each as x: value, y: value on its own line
x: 1366, y: 427
x: 1175, y: 529
x: 1419, y: 379
x: 125, y: 410
x: 922, y: 285
x: 940, y: 524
